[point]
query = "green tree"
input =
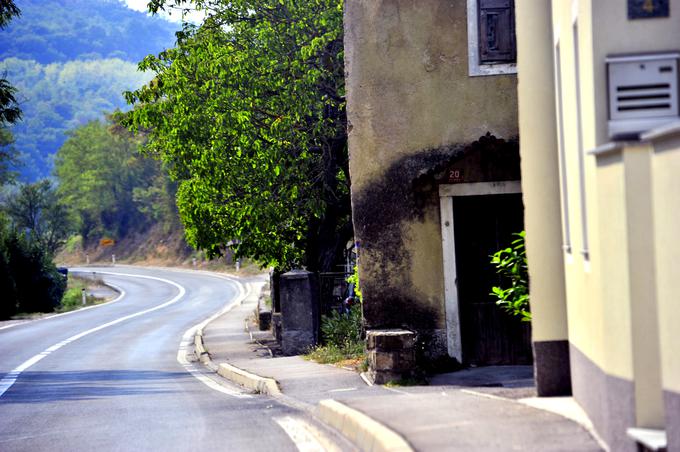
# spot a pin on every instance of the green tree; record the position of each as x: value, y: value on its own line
x: 29, y: 281
x: 9, y: 107
x: 8, y: 156
x: 110, y: 187
x: 36, y: 210
x: 64, y: 96
x: 248, y: 114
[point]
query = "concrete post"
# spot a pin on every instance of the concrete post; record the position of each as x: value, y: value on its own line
x: 300, y: 317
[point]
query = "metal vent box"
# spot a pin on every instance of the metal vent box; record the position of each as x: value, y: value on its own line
x: 643, y: 92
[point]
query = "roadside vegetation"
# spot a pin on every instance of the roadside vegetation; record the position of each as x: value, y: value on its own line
x: 29, y: 281
x: 341, y: 334
x: 73, y: 298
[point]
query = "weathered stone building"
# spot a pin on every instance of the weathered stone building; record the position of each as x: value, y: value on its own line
x: 435, y: 170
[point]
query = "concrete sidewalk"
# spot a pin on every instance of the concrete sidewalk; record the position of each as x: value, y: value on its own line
x: 478, y: 409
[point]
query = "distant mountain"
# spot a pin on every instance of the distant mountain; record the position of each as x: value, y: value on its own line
x: 70, y: 61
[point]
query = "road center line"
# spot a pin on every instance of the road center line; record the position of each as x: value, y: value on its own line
x: 305, y: 437
x: 9, y: 379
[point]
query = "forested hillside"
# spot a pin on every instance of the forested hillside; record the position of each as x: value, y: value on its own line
x: 71, y: 70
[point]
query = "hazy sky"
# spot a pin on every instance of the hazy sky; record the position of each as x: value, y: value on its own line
x: 176, y: 16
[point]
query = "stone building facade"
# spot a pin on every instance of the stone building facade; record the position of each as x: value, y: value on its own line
x: 432, y: 135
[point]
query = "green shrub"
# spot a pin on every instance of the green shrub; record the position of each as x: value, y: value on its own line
x: 511, y: 264
x: 341, y: 332
x: 340, y: 329
x: 29, y: 281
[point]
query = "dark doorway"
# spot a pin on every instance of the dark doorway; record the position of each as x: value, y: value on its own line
x: 482, y: 225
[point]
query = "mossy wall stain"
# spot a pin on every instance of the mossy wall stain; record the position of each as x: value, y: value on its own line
x: 405, y: 197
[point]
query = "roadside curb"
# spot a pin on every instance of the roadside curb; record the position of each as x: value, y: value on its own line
x: 363, y: 431
x: 261, y: 385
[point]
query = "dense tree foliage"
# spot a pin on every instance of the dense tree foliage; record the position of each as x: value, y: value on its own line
x: 36, y: 211
x: 112, y: 190
x: 63, y: 30
x: 60, y: 97
x: 8, y: 156
x: 9, y: 107
x: 248, y: 113
x: 69, y: 62
x: 29, y: 281
x: 8, y: 10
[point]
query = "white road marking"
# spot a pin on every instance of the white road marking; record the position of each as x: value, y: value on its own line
x: 196, y: 372
x: 9, y: 379
x: 119, y: 297
x: 187, y: 342
x: 301, y: 433
x: 484, y: 394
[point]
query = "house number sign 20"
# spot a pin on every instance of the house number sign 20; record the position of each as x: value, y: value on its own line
x: 455, y: 175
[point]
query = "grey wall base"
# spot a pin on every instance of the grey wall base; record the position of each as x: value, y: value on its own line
x: 609, y: 401
x: 672, y: 406
x: 552, y: 370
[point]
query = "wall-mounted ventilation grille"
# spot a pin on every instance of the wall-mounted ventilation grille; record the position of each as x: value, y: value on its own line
x: 643, y: 92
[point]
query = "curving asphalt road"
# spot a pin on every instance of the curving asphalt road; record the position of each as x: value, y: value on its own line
x: 109, y: 379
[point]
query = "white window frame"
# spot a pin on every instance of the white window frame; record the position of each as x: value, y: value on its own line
x: 585, y: 249
x: 446, y: 194
x: 561, y: 149
x: 475, y: 68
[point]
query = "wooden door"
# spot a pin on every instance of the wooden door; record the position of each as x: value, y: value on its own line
x: 482, y: 225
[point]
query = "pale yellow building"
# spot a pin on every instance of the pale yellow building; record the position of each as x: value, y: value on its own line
x: 600, y: 140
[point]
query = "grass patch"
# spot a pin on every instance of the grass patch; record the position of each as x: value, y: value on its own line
x: 350, y: 354
x: 73, y: 298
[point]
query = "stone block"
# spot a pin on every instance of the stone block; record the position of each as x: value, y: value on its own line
x: 388, y: 340
x: 403, y: 361
x: 391, y: 354
x: 382, y: 377
x: 300, y: 313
